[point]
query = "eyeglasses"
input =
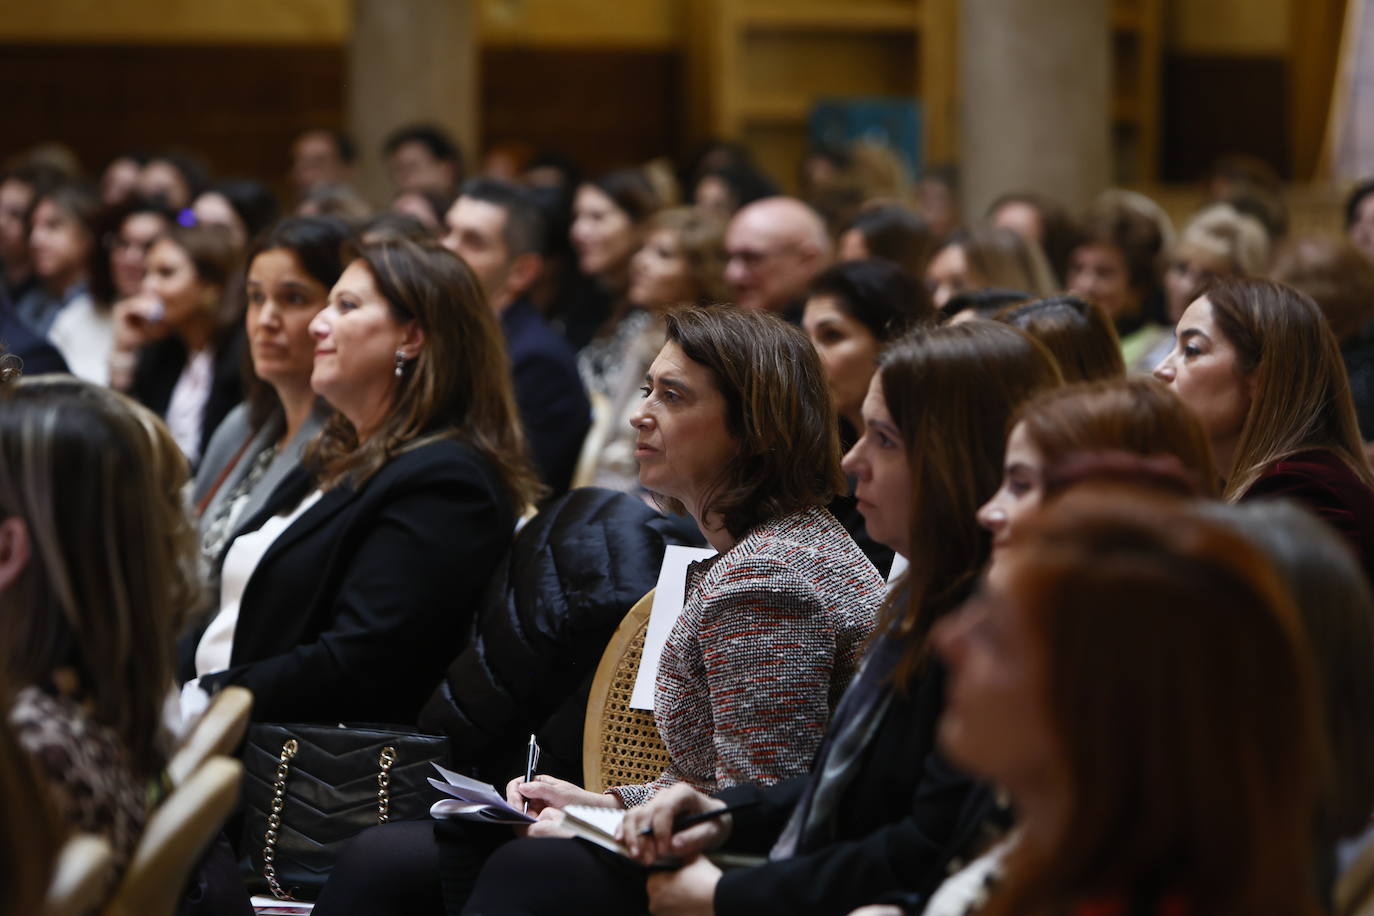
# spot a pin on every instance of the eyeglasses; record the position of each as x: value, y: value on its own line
x: 753, y: 257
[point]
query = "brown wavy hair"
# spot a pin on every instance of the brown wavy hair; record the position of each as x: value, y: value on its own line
x: 1077, y: 333
x: 951, y: 391
x: 1138, y: 415
x: 97, y: 480
x: 778, y: 409
x: 1182, y: 699
x: 1301, y: 392
x: 701, y: 237
x: 458, y: 386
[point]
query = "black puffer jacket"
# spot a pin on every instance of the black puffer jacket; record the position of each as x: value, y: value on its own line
x: 573, y: 573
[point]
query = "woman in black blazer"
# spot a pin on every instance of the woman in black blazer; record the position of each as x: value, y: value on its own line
x: 346, y: 596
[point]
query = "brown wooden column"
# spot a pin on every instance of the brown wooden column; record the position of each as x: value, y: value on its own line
x: 409, y: 62
x: 1035, y: 85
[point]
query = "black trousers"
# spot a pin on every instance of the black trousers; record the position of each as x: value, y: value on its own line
x: 542, y: 877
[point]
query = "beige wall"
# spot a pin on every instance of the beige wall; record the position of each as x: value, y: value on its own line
x: 619, y: 23
x: 1229, y: 27
x: 176, y: 21
x: 615, y: 23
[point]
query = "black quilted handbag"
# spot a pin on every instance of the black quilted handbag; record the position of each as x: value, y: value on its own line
x: 309, y: 789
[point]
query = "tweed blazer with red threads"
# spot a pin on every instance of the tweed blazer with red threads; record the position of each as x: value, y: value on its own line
x: 769, y: 637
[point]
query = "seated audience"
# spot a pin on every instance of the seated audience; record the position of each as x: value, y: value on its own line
x: 426, y: 207
x: 60, y: 307
x: 855, y: 309
x: 97, y: 570
x: 982, y: 303
x: 134, y: 227
x: 290, y: 272
x: 344, y: 597
x: 497, y: 229
x: 721, y: 190
x: 889, y: 232
x: 423, y: 157
x: 1037, y: 218
x: 1337, y: 609
x: 335, y: 200
x: 1077, y: 333
x: 172, y: 179
x: 18, y: 192
x: 1340, y: 279
x: 609, y: 216
x: 1258, y: 364
x: 119, y: 178
x: 1217, y: 243
x: 881, y: 809
x: 774, y: 248
x: 736, y: 430
x: 1130, y: 663
x: 680, y: 263
x: 1118, y: 263
x: 244, y: 208
x: 986, y: 258
x: 188, y: 334
x: 321, y: 157
x: 1136, y: 416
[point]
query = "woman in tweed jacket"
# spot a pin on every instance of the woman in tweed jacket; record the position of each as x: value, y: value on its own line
x: 737, y: 429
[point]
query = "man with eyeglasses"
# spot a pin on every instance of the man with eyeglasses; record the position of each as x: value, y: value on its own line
x: 775, y: 247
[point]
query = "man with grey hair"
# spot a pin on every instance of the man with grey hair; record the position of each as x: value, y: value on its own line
x: 775, y: 247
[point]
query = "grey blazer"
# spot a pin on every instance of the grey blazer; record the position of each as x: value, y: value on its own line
x: 225, y: 444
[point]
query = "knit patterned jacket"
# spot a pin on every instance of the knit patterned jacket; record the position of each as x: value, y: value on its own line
x: 768, y: 639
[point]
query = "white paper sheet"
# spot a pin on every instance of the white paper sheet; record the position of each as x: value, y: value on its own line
x: 476, y: 800
x: 668, y: 600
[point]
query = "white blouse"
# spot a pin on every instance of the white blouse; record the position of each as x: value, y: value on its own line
x: 216, y: 645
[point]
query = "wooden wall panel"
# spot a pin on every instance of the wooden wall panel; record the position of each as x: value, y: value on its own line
x: 236, y: 106
x: 1219, y: 105
x: 605, y: 108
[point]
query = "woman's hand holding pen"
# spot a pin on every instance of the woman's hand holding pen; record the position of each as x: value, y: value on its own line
x: 657, y: 815
x: 547, y: 792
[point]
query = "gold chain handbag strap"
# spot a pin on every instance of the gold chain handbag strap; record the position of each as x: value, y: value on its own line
x: 288, y: 751
x: 269, y: 850
x: 387, y: 758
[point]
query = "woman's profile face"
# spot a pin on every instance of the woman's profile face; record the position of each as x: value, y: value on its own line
x: 948, y: 275
x: 683, y: 441
x: 879, y: 464
x: 660, y: 276
x: 1020, y: 493
x: 602, y: 233
x: 1202, y: 371
x: 58, y: 243
x: 356, y: 341
x: 171, y: 278
x: 996, y: 722
x: 283, y: 298
x: 848, y: 352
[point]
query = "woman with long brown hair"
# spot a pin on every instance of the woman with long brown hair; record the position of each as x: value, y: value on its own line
x: 97, y: 569
x: 1259, y: 365
x: 1138, y: 680
x: 347, y: 594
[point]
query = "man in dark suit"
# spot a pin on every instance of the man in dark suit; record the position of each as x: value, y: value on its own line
x: 497, y: 229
